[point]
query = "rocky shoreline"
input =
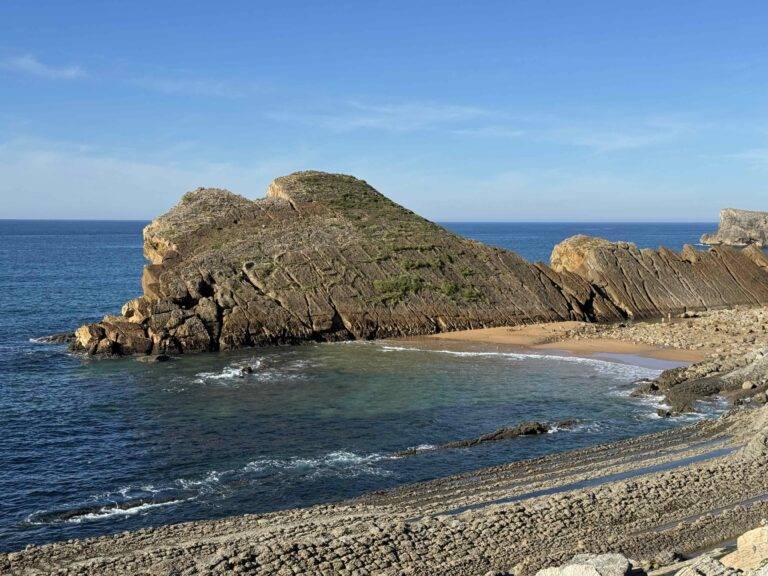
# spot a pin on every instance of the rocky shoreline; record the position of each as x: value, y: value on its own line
x: 740, y: 228
x: 677, y: 491
x: 656, y: 499
x: 735, y: 342
x: 325, y: 257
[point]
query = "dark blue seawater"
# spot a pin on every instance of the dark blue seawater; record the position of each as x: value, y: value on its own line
x: 534, y: 241
x: 92, y: 447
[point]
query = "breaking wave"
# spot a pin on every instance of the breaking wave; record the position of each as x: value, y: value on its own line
x: 614, y: 369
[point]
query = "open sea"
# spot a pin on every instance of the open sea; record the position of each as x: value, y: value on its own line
x: 91, y: 447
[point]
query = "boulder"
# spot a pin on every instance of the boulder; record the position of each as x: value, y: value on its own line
x: 751, y: 550
x: 591, y: 565
x: 705, y: 565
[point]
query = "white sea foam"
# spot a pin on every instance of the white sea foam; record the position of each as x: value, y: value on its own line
x: 339, y: 463
x: 613, y: 369
x: 233, y: 373
x: 113, y: 511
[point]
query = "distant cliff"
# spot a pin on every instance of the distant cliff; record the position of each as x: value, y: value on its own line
x: 326, y: 257
x: 740, y: 228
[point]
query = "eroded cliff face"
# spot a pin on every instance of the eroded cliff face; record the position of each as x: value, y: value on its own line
x: 322, y: 257
x: 326, y: 257
x: 740, y: 228
x: 654, y: 283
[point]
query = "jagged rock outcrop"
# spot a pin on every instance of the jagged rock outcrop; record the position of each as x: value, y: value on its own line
x: 530, y: 428
x: 740, y: 228
x: 322, y: 257
x: 326, y: 257
x: 655, y: 283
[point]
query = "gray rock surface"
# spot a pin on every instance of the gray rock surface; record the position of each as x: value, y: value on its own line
x: 740, y: 228
x: 705, y: 565
x: 591, y: 565
x: 645, y: 283
x: 323, y: 257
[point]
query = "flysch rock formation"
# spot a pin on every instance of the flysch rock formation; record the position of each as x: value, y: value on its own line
x: 740, y: 228
x: 322, y: 257
x: 325, y: 257
x: 645, y: 283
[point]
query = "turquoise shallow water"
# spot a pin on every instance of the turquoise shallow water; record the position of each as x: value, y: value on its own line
x: 92, y: 447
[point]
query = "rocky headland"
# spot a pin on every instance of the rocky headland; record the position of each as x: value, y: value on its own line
x: 740, y: 228
x: 325, y: 257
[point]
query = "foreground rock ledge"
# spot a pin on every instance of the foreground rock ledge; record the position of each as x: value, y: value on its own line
x: 648, y: 498
x: 325, y: 257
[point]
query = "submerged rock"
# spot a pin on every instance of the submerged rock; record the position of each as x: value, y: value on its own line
x: 531, y: 428
x: 58, y: 338
x: 740, y: 228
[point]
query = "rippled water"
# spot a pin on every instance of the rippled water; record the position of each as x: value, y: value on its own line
x: 97, y: 446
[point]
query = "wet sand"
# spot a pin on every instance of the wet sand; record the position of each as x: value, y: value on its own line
x: 557, y: 336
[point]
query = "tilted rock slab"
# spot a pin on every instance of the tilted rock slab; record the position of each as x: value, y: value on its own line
x: 325, y: 257
x: 740, y: 228
x: 645, y: 283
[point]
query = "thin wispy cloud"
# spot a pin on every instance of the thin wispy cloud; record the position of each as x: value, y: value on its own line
x: 196, y: 87
x: 595, y: 134
x: 756, y: 157
x: 353, y: 115
x: 30, y: 65
x: 118, y: 183
x: 621, y: 135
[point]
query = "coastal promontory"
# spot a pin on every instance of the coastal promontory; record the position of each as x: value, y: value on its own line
x: 325, y: 257
x: 322, y: 257
x: 740, y: 228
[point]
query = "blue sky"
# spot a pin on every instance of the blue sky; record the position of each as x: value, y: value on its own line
x: 460, y: 111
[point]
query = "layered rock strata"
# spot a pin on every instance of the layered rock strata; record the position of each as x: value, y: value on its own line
x: 645, y: 283
x: 326, y: 257
x: 740, y: 228
x: 323, y: 257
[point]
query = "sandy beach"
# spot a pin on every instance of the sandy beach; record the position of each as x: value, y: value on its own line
x: 559, y: 336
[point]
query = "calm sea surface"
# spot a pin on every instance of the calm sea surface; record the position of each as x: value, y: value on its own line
x: 91, y: 447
